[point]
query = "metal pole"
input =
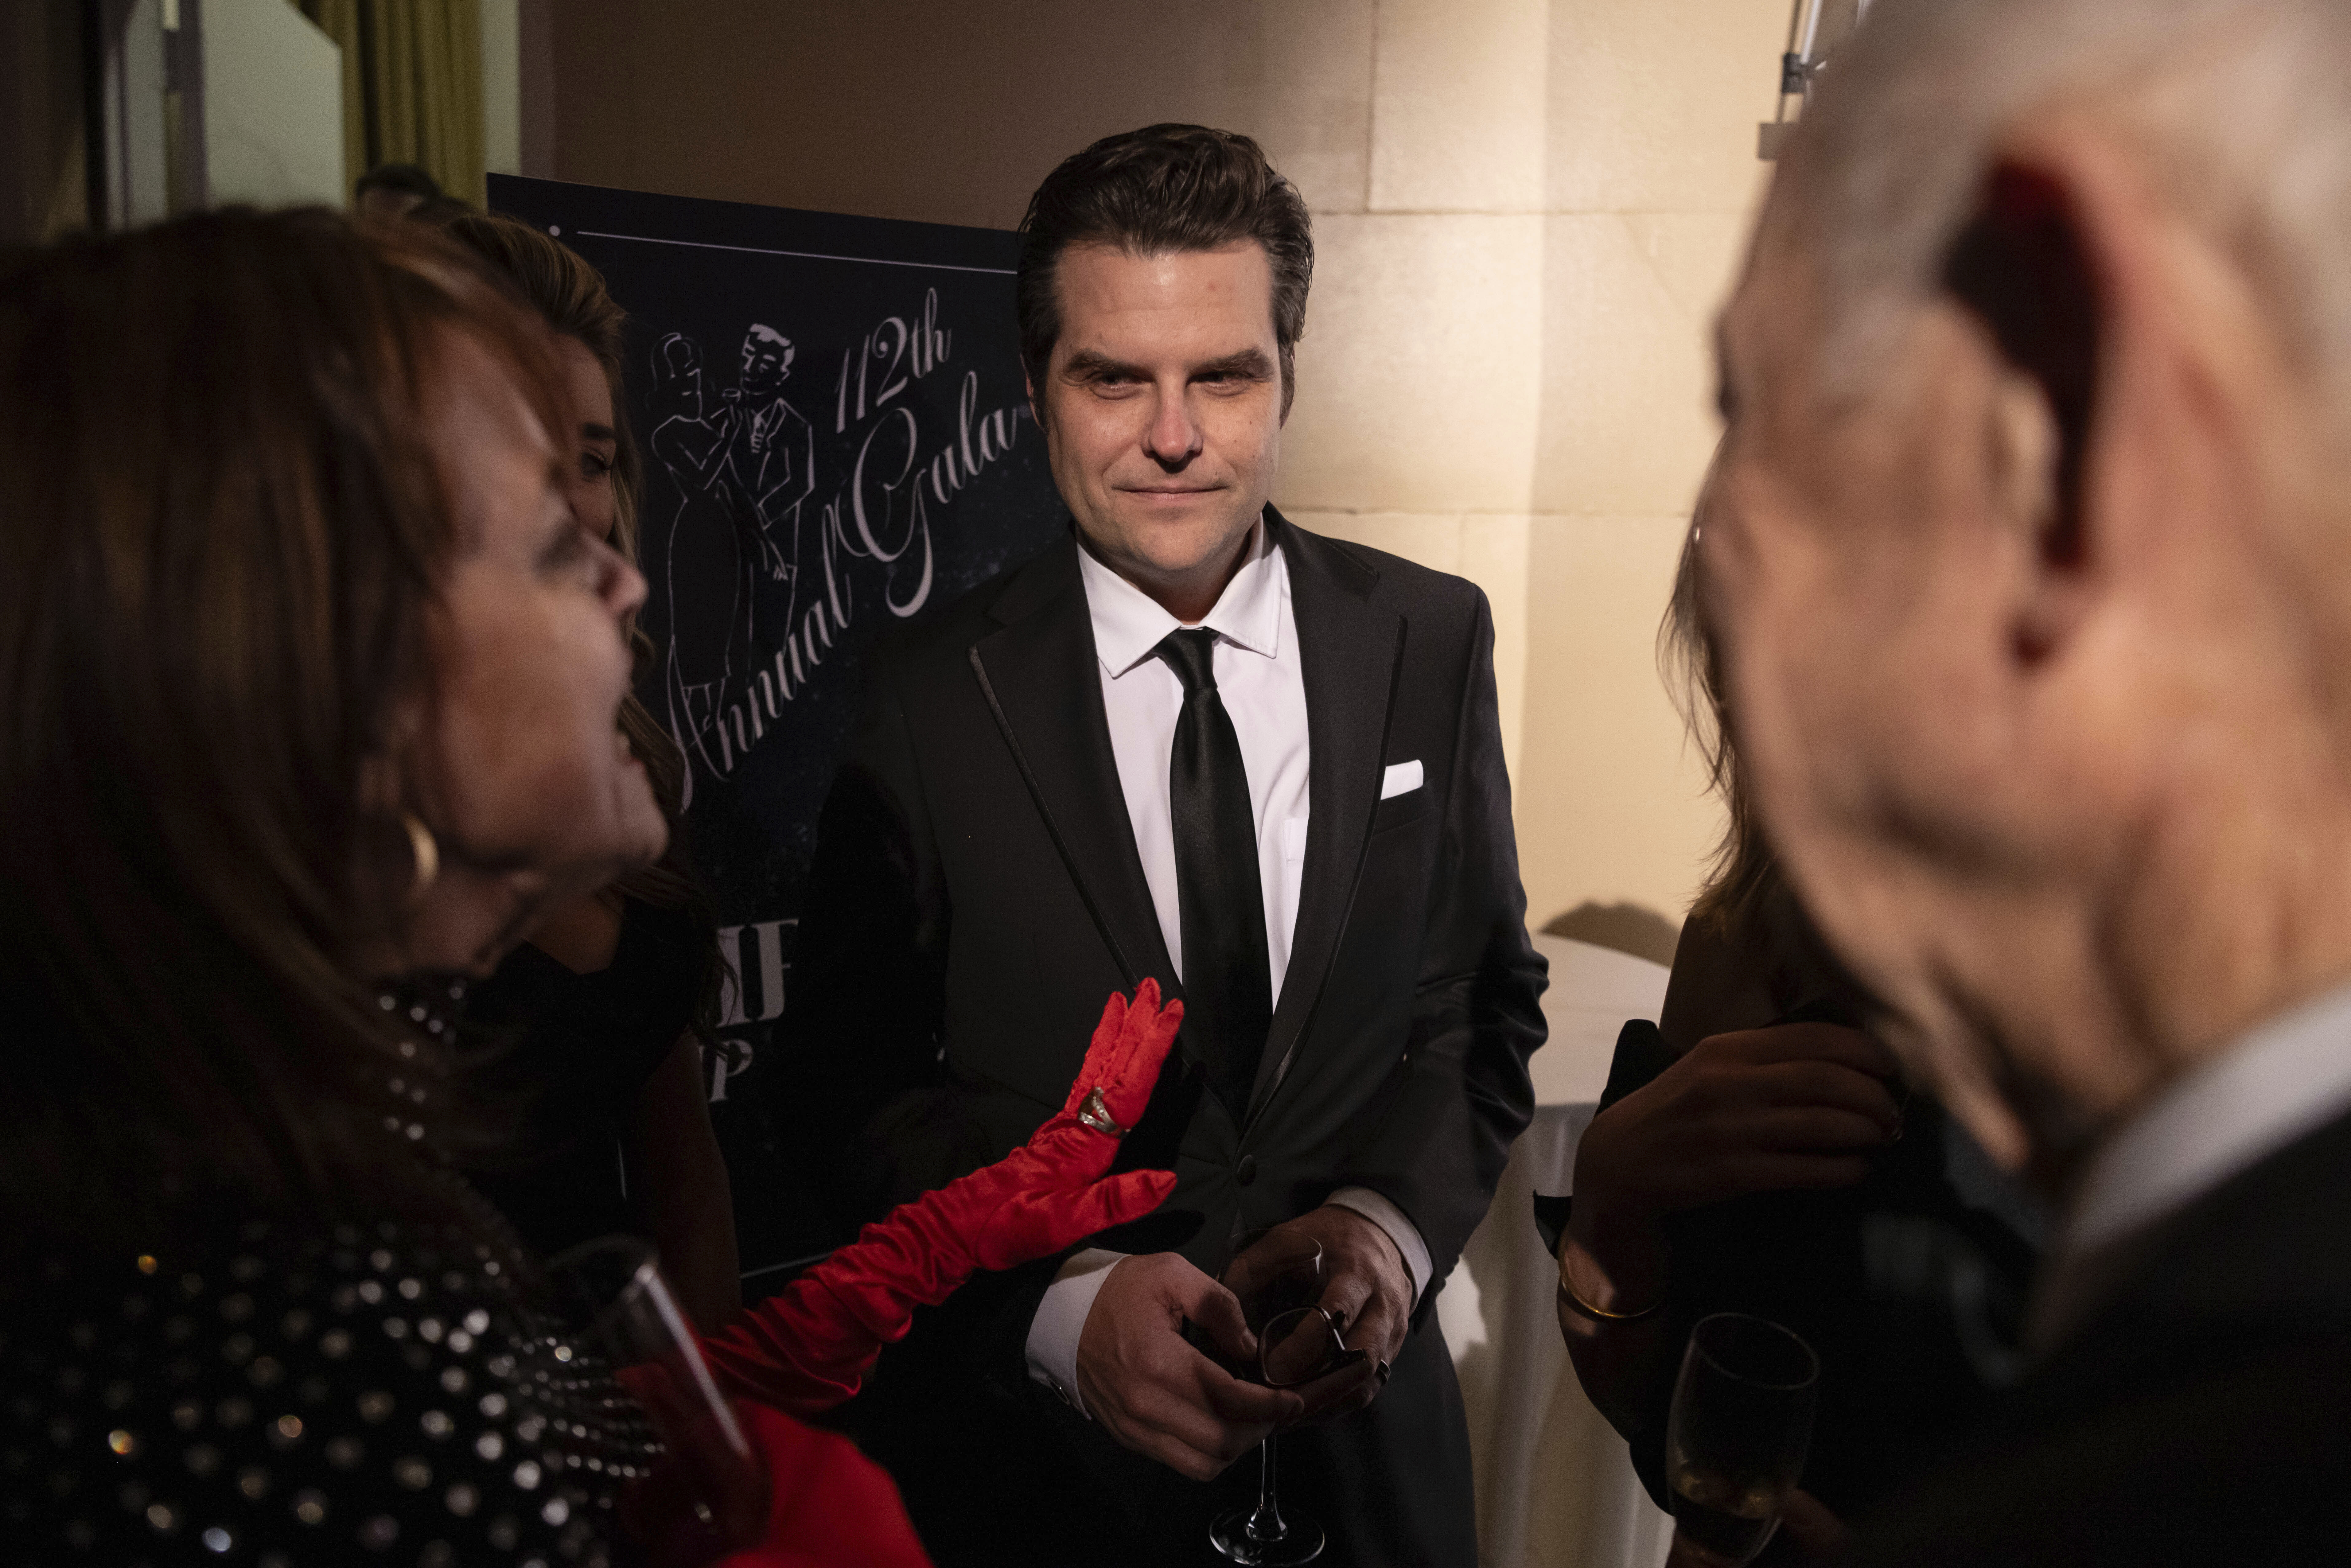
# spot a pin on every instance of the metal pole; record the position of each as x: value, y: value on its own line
x: 183, y: 77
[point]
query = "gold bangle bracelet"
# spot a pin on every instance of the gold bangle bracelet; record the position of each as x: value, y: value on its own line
x: 1584, y: 1309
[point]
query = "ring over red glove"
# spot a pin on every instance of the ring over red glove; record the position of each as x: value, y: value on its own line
x: 806, y: 1349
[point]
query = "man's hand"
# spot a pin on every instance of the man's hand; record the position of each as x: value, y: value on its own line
x: 1764, y: 1109
x: 1152, y: 1391
x: 1809, y: 1532
x: 1367, y: 1290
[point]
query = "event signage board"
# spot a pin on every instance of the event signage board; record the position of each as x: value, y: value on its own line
x: 836, y: 443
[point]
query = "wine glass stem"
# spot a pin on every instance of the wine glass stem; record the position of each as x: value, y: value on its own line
x: 1264, y: 1520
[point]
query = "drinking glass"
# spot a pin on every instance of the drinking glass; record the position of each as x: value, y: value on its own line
x: 1277, y: 1276
x: 709, y: 1496
x: 1735, y: 1440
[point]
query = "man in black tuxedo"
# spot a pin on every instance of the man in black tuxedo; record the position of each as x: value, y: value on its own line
x: 1196, y: 743
x: 2030, y: 555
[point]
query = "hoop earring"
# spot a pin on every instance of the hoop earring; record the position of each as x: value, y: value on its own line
x: 426, y: 852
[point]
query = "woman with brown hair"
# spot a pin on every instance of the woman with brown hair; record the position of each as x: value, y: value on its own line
x: 310, y: 680
x: 1756, y: 1151
x: 608, y: 1001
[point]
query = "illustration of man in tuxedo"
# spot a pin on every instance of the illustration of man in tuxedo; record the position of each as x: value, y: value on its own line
x: 1195, y: 742
x: 770, y: 450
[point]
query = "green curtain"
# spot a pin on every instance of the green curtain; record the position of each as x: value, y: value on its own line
x: 412, y: 85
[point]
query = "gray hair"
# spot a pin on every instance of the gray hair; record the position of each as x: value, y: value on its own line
x: 2242, y: 109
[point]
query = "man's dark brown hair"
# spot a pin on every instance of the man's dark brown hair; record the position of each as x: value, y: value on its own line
x: 1162, y: 189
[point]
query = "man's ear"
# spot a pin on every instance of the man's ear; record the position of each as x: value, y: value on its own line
x: 2023, y: 266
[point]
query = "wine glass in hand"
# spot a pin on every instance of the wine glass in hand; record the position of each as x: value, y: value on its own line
x: 709, y: 1495
x: 1277, y: 1277
x: 1735, y: 1440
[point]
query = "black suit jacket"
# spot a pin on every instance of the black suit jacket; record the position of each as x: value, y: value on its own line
x: 977, y: 894
x: 2201, y: 1415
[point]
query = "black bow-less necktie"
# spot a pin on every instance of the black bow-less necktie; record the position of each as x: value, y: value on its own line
x: 1228, y: 992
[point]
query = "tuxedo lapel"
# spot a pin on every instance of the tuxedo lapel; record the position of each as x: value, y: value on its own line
x: 1039, y: 677
x: 1349, y: 652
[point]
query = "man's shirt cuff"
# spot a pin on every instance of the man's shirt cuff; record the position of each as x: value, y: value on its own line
x: 1062, y: 1317
x: 1388, y: 1217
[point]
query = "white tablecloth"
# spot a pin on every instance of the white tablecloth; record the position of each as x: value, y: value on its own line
x: 1555, y: 1489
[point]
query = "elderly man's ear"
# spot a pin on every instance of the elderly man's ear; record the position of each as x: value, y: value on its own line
x: 2136, y: 365
x: 2024, y: 266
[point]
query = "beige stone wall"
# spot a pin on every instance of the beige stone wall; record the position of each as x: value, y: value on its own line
x: 1526, y: 213
x: 1507, y: 374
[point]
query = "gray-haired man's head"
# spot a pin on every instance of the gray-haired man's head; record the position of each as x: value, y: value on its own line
x: 2031, y: 546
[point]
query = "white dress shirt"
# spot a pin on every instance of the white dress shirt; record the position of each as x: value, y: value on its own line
x: 1263, y: 685
x: 2287, y: 1077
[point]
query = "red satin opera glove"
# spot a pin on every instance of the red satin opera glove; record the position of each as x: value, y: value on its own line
x: 806, y: 1349
x: 832, y: 1507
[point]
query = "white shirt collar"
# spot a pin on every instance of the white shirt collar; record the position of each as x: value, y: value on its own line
x: 1129, y: 624
x: 2285, y: 1078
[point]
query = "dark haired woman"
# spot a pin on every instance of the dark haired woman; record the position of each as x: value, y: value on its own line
x: 310, y: 678
x: 1756, y: 1151
x: 606, y: 1003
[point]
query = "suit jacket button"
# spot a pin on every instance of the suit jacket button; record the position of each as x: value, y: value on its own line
x: 1246, y: 1172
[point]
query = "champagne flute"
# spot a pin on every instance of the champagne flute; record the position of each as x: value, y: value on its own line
x: 709, y: 1496
x: 1735, y: 1440
x: 1277, y: 1276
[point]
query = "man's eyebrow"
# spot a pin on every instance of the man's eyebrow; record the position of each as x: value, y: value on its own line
x: 594, y: 432
x: 1086, y: 362
x: 1247, y: 362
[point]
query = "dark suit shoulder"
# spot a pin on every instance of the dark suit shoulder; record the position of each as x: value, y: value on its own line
x: 2196, y: 1418
x: 944, y: 639
x: 2262, y: 1252
x: 2235, y: 1455
x: 1405, y: 586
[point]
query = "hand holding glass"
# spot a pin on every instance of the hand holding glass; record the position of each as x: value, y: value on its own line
x: 710, y: 1495
x: 1735, y: 1440
x: 1277, y: 1277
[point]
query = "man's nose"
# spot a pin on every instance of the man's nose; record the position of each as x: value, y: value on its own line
x: 1174, y: 438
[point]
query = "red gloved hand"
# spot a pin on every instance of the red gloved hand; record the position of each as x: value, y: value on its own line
x: 833, y: 1507
x: 806, y: 1349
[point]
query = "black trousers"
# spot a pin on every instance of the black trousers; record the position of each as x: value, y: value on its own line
x: 994, y: 1480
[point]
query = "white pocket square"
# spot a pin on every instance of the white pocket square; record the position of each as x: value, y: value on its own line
x: 1401, y: 778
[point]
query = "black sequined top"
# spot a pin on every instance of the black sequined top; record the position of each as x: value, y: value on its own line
x: 294, y: 1392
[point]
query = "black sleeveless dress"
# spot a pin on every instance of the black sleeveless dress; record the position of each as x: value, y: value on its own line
x: 566, y: 1056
